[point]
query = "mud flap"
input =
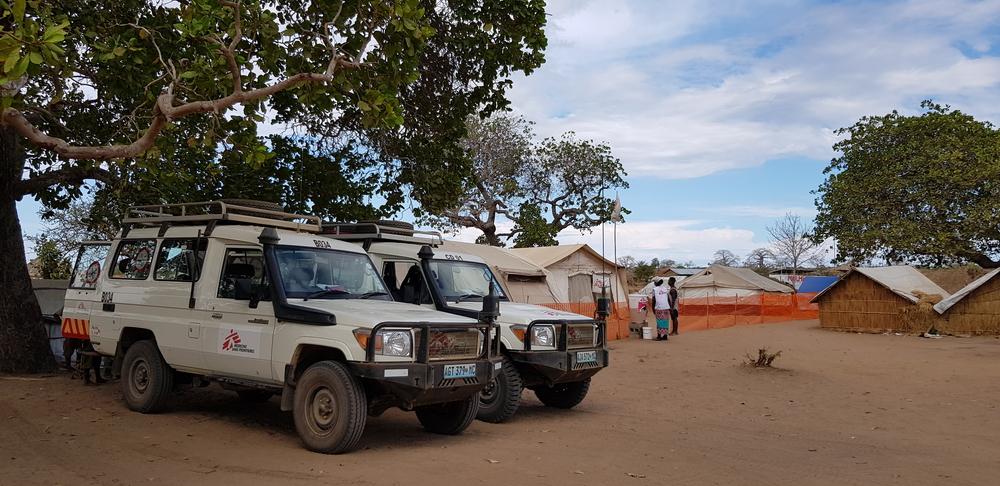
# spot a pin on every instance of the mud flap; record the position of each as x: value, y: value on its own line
x: 288, y: 391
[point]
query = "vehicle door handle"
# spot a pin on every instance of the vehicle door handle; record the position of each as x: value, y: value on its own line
x: 217, y: 315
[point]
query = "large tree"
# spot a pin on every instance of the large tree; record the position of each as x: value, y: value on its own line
x: 760, y: 259
x: 501, y: 149
x: 540, y: 187
x: 794, y: 244
x: 135, y: 90
x: 725, y: 258
x: 922, y: 188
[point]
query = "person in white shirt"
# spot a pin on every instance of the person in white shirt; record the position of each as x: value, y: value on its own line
x: 660, y: 298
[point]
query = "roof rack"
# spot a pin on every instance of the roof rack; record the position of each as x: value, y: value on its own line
x: 214, y: 212
x: 375, y: 232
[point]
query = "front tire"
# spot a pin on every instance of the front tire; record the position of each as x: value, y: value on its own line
x: 148, y: 379
x: 563, y: 395
x: 330, y: 408
x: 449, y: 418
x: 500, y: 399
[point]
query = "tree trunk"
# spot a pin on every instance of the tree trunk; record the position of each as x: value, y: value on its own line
x: 489, y: 235
x: 24, y: 343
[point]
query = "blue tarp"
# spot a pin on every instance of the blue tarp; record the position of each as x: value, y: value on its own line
x: 816, y: 284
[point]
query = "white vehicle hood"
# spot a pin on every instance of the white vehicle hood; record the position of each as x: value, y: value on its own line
x: 512, y: 313
x: 369, y: 312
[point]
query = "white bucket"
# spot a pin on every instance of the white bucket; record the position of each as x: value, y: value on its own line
x: 647, y: 332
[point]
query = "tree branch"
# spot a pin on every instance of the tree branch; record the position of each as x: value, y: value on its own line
x: 166, y: 111
x: 74, y: 175
x: 228, y: 52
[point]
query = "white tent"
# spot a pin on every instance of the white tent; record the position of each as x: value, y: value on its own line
x: 720, y: 281
x: 525, y: 281
x: 649, y: 286
x: 577, y: 273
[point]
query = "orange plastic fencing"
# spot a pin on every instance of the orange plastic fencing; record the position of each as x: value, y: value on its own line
x: 718, y: 312
x: 617, y: 322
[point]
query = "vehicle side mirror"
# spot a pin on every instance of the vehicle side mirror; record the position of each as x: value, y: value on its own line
x: 491, y: 307
x: 246, y: 290
x: 603, y: 308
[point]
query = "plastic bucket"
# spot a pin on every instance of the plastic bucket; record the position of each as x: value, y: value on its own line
x: 647, y: 332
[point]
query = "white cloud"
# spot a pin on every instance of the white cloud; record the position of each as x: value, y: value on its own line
x: 679, y: 240
x: 687, y: 91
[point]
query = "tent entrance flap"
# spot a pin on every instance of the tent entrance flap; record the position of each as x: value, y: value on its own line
x: 581, y: 288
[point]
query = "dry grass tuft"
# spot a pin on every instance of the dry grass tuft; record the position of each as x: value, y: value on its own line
x: 764, y: 359
x: 921, y: 316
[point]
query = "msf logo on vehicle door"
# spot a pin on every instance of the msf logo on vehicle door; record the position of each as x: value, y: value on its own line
x: 234, y: 341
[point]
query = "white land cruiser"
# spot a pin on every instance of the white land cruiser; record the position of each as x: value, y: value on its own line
x: 564, y: 350
x: 256, y: 300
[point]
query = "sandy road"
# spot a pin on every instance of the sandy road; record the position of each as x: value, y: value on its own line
x: 843, y: 409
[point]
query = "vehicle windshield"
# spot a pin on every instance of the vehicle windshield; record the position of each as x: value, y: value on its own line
x: 458, y: 281
x: 312, y: 273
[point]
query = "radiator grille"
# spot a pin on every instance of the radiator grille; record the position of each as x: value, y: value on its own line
x: 581, y: 336
x: 461, y: 344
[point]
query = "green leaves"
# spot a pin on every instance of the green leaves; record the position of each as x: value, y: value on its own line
x: 30, y: 42
x: 18, y: 11
x: 914, y: 188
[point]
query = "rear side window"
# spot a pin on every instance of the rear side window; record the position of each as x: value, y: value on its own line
x: 177, y: 261
x: 89, y: 261
x: 406, y: 282
x: 133, y: 260
x: 241, y: 264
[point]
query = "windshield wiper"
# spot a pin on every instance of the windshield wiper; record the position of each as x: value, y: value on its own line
x: 463, y: 298
x: 325, y: 292
x: 368, y: 295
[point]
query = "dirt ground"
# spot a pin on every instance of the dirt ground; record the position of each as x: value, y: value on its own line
x: 842, y: 409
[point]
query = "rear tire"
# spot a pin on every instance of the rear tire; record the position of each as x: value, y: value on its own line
x: 147, y: 379
x: 330, y: 408
x: 449, y: 418
x: 254, y: 396
x: 563, y: 395
x: 499, y: 401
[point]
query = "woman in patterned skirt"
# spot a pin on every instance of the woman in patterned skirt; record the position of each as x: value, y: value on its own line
x: 661, y: 309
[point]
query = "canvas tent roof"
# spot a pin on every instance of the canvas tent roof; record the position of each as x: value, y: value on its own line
x: 684, y: 272
x: 947, y: 303
x: 501, y: 259
x: 649, y: 286
x: 548, y: 255
x: 732, y: 278
x: 903, y: 280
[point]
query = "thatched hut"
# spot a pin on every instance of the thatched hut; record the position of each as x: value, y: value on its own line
x: 880, y: 299
x: 975, y: 309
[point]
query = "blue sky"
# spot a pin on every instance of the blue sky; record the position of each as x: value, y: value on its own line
x: 724, y: 113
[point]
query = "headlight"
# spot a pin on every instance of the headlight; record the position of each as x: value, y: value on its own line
x: 540, y: 335
x: 388, y: 342
x: 394, y: 343
x: 543, y: 336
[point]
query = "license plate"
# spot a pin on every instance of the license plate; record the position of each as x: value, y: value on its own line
x: 460, y: 371
x: 586, y: 357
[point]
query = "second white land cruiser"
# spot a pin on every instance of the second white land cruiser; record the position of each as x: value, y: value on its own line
x: 256, y: 300
x: 548, y: 351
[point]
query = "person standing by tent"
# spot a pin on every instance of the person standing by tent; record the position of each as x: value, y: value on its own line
x: 661, y: 309
x: 673, y: 297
